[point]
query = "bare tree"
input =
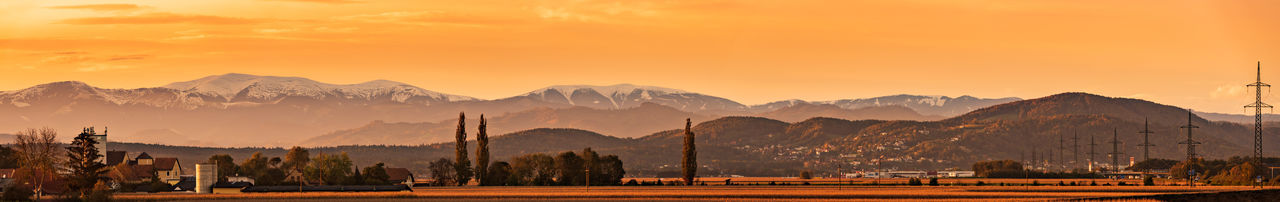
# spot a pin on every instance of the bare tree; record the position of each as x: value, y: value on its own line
x: 38, y: 152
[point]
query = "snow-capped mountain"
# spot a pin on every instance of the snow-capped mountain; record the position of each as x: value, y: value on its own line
x: 624, y: 96
x: 251, y: 88
x: 249, y: 110
x: 925, y: 105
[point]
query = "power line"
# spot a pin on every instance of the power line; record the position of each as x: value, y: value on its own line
x: 1191, y: 143
x: 1146, y: 141
x: 1075, y: 151
x: 1257, y: 115
x: 1115, y: 150
x: 1092, y: 154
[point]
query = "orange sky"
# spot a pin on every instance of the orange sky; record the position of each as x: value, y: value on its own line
x: 1196, y: 54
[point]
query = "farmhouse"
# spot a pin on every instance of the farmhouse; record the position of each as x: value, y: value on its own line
x: 400, y: 176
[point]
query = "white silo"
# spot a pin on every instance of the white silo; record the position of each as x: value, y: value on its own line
x: 206, y: 175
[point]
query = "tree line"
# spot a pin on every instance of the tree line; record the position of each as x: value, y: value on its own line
x: 326, y: 169
x: 567, y: 168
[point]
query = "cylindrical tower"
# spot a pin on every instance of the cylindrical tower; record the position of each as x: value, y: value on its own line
x: 206, y: 175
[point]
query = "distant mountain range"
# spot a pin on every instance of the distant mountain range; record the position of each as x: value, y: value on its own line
x: 756, y: 146
x: 249, y: 110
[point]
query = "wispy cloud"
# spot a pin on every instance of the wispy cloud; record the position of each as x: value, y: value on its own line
x: 430, y: 18
x: 323, y: 1
x: 1227, y: 91
x: 160, y: 18
x: 102, y: 67
x: 101, y: 7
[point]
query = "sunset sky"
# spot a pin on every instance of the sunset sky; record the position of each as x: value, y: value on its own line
x: 1196, y: 54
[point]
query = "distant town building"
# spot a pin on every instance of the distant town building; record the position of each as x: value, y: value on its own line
x: 400, y: 176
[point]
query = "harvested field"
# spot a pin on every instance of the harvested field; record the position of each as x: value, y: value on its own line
x: 721, y: 193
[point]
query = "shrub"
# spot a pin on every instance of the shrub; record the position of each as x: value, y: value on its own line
x: 1035, y: 183
x: 1121, y: 184
x: 17, y: 193
x: 980, y: 183
x: 933, y: 181
x: 805, y: 175
x: 1093, y: 183
x: 158, y: 186
x: 1060, y: 183
x: 806, y: 183
x: 1073, y: 183
x: 1148, y: 181
x: 632, y: 182
x: 914, y: 182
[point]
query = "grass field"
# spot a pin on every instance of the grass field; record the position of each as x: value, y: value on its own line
x: 713, y: 181
x: 718, y: 193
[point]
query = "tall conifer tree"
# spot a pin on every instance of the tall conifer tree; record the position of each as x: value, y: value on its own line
x: 463, y: 163
x: 689, y: 164
x: 482, y: 153
x: 82, y: 158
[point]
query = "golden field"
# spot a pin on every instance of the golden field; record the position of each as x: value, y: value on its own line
x: 716, y: 193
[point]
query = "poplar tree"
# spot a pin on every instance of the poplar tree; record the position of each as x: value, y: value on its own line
x: 463, y: 164
x: 689, y: 163
x: 482, y: 153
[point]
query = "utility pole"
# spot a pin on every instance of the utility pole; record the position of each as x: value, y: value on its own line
x: 1033, y: 158
x: 1257, y: 115
x: 1146, y: 144
x: 1062, y: 141
x: 1092, y: 154
x: 1115, y: 150
x: 1075, y: 148
x: 1191, y: 143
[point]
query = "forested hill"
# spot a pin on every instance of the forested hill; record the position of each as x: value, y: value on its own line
x: 755, y: 146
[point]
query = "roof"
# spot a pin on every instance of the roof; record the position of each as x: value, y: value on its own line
x: 132, y: 172
x: 165, y: 163
x: 186, y: 183
x: 116, y: 157
x: 7, y: 173
x: 232, y: 185
x: 398, y: 174
x: 143, y: 155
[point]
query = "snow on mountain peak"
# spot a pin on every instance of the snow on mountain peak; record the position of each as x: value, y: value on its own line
x: 607, y: 90
x: 229, y: 86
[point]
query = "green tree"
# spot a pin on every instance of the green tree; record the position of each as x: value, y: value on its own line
x: 255, y: 166
x: 357, y: 178
x: 611, y: 170
x: 986, y: 168
x: 689, y: 164
x: 462, y: 164
x: 591, y: 162
x: 226, y: 166
x: 533, y: 169
x: 332, y: 169
x: 482, y: 153
x: 377, y: 175
x: 442, y: 172
x: 499, y: 174
x: 297, y: 158
x: 1152, y: 164
x: 8, y: 158
x: 1242, y: 174
x: 82, y: 158
x: 1179, y: 171
x: 569, y: 169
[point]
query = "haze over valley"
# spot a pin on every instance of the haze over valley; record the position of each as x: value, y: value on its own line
x: 249, y: 110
